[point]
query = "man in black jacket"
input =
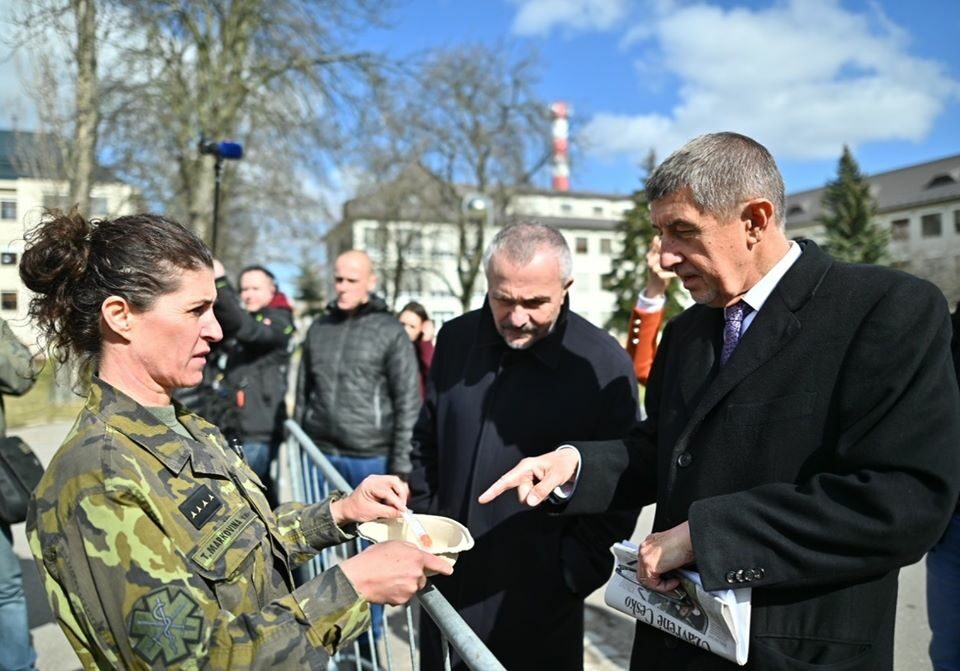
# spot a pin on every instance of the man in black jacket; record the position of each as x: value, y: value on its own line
x: 507, y: 381
x: 256, y: 347
x: 358, y: 386
x: 806, y: 448
x: 943, y: 569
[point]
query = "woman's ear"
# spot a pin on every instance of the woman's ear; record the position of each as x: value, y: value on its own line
x: 116, y: 315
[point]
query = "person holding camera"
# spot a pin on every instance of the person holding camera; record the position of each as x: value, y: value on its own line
x: 154, y: 540
x: 16, y: 379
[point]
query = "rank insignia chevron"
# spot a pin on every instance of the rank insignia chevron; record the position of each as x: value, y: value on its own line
x: 200, y: 506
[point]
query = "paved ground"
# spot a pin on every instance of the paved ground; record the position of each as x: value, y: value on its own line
x: 609, y: 633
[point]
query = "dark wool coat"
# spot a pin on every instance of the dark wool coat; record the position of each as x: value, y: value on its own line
x: 487, y: 406
x: 820, y: 459
x: 257, y: 350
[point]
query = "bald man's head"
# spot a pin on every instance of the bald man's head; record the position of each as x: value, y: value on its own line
x: 353, y: 279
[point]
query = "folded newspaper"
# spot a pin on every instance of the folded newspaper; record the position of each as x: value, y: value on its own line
x: 715, y: 621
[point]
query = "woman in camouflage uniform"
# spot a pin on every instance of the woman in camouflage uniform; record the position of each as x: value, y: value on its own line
x: 155, y: 543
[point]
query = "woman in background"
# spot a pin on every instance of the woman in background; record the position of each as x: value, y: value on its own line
x: 416, y: 321
x: 155, y: 542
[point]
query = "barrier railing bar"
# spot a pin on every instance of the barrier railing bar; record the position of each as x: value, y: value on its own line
x: 454, y: 630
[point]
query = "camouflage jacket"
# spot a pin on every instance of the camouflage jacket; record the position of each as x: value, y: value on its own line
x: 160, y: 552
x: 16, y: 369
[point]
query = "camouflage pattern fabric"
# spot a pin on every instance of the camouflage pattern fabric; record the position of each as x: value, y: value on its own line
x: 16, y: 369
x: 160, y: 552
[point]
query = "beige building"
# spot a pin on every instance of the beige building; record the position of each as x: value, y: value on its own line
x: 919, y: 205
x: 24, y: 192
x: 427, y: 238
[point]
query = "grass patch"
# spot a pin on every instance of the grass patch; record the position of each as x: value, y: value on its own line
x: 45, y: 402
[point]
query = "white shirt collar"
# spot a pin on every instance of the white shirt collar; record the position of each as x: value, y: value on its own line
x: 760, y: 292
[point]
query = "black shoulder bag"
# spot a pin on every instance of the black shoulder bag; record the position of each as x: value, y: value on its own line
x: 20, y: 472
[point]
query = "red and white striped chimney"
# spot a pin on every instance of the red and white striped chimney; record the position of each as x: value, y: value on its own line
x: 560, y: 112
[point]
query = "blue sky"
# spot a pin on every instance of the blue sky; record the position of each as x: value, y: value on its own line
x: 804, y: 77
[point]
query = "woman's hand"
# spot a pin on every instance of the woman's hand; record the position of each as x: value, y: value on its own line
x: 378, y: 496
x: 392, y: 572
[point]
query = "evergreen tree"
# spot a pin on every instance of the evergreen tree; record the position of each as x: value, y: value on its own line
x: 628, y: 269
x: 848, y: 213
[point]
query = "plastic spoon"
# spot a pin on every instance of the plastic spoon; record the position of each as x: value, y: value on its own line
x: 423, y: 538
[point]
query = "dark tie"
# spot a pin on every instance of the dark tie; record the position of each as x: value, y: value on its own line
x: 733, y: 317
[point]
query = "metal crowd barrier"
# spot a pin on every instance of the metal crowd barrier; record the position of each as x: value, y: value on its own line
x: 305, y: 463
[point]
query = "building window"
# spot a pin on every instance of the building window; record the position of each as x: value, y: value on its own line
x: 931, y: 225
x: 597, y: 211
x: 581, y: 245
x: 956, y: 222
x: 8, y: 300
x: 375, y: 240
x: 606, y: 246
x: 8, y: 209
x: 566, y: 208
x: 412, y: 243
x: 411, y: 283
x: 940, y: 180
x: 8, y: 258
x: 900, y: 229
x: 440, y: 250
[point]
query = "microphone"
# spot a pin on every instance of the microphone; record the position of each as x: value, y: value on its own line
x: 225, y: 149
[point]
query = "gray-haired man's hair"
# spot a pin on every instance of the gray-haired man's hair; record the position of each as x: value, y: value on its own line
x: 519, y: 243
x: 721, y: 170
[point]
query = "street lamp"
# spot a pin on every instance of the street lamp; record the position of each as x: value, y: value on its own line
x: 474, y: 204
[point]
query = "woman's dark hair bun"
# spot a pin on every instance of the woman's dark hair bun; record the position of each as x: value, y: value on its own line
x: 57, y: 251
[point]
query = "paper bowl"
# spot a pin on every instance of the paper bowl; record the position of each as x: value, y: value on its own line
x: 449, y: 537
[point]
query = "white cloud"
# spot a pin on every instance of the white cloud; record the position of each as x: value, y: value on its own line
x: 803, y: 76
x: 539, y: 17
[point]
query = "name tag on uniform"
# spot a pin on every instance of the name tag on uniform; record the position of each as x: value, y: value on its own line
x: 216, y: 542
x: 200, y: 506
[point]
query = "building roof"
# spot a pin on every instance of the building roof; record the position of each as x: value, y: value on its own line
x: 22, y: 155
x: 914, y: 186
x: 532, y: 191
x: 9, y: 141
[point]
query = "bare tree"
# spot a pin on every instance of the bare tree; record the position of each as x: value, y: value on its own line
x: 278, y: 75
x: 470, y: 121
x: 401, y: 200
x: 68, y: 147
x: 281, y: 76
x: 82, y: 160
